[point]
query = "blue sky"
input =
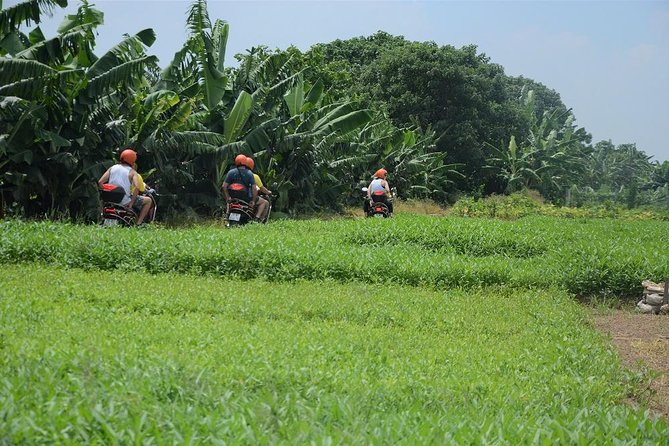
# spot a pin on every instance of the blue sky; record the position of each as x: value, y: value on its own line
x: 609, y: 60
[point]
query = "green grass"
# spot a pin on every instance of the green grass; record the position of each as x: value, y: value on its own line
x: 116, y: 357
x: 586, y: 257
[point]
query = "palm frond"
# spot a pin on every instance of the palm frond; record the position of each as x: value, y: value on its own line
x: 26, y: 12
x: 12, y: 70
x: 197, y: 19
x: 124, y: 51
x: 125, y: 74
x: 31, y: 88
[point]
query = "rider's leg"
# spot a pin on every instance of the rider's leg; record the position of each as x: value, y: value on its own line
x: 260, y: 208
x: 146, y: 206
x: 265, y: 214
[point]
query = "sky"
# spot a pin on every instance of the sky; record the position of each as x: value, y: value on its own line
x: 608, y: 60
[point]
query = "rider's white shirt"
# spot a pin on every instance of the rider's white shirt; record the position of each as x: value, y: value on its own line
x: 377, y: 185
x: 118, y: 175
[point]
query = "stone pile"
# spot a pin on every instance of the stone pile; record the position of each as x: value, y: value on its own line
x: 655, y: 298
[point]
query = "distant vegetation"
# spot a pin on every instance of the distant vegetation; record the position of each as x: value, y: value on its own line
x: 445, y: 122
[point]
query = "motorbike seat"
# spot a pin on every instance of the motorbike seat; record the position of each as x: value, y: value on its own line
x: 379, y: 197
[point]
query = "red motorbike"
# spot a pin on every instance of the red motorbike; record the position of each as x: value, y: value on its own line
x: 114, y: 213
x: 238, y: 210
x: 379, y: 206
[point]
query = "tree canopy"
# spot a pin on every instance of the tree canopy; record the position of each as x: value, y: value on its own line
x: 443, y: 121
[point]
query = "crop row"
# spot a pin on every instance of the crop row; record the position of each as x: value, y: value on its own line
x: 586, y: 257
x: 105, y: 357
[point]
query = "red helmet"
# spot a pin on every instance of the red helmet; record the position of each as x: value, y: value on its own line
x: 381, y: 173
x: 250, y: 164
x: 129, y: 156
x: 240, y: 160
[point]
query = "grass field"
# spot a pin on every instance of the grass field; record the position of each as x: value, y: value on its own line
x: 585, y: 257
x: 414, y: 330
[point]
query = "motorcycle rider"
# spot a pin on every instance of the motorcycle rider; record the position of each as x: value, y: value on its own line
x: 378, y: 184
x: 124, y: 175
x: 240, y: 175
x: 262, y: 208
x: 144, y: 191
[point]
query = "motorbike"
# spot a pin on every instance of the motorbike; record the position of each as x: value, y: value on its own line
x: 379, y: 207
x: 239, y: 211
x: 115, y: 214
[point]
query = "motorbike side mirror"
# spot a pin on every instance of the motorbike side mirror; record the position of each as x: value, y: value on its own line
x: 364, y: 189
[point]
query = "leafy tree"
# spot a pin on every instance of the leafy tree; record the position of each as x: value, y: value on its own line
x: 456, y: 92
x: 549, y: 159
x: 56, y: 98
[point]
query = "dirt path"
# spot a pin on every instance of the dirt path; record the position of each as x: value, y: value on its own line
x: 642, y: 340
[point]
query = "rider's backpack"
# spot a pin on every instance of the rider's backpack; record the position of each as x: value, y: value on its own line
x: 239, y: 189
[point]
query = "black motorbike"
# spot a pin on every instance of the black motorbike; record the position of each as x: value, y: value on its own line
x: 379, y: 206
x: 115, y: 214
x: 239, y: 211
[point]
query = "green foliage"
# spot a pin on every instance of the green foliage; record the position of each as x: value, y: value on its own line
x: 57, y: 103
x: 455, y: 92
x: 441, y: 120
x: 585, y: 256
x: 521, y: 204
x: 103, y: 357
x: 511, y: 206
x: 549, y: 159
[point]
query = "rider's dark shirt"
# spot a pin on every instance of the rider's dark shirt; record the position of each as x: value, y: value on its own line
x: 242, y: 176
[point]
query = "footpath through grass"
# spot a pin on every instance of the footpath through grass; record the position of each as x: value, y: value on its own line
x: 124, y: 358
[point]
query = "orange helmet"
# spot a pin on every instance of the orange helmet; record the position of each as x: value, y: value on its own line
x: 250, y: 164
x: 129, y: 156
x: 381, y: 173
x: 240, y: 160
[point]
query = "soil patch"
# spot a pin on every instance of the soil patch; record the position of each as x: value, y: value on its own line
x: 642, y: 341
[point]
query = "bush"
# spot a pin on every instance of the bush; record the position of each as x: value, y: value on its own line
x: 521, y: 204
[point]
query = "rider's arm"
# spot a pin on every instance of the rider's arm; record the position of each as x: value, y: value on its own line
x: 104, y: 178
x: 265, y: 191
x: 387, y: 187
x: 224, y: 187
x: 254, y: 191
x: 369, y: 192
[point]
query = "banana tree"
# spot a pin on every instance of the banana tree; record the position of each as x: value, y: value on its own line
x: 549, y: 159
x: 312, y: 137
x: 514, y: 165
x: 58, y: 99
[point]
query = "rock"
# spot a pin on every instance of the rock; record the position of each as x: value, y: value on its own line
x: 664, y: 309
x: 653, y: 287
x: 647, y: 309
x: 654, y: 299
